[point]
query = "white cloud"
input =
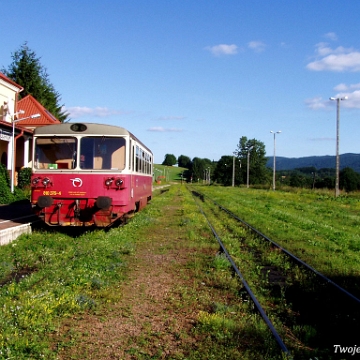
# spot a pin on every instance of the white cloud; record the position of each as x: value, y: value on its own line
x: 341, y: 87
x: 161, y: 129
x: 81, y: 111
x: 316, y: 103
x: 339, y: 59
x: 355, y: 86
x: 352, y: 101
x: 257, y: 46
x: 344, y: 87
x: 322, y: 49
x: 171, y: 118
x: 223, y: 49
x: 331, y: 35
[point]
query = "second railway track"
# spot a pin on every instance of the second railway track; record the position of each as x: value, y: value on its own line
x: 307, y: 313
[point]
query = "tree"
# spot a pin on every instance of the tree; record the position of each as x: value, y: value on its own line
x: 184, y: 161
x: 258, y: 172
x: 299, y: 180
x: 223, y: 171
x: 27, y: 71
x: 349, y: 179
x: 169, y: 160
x: 200, y: 169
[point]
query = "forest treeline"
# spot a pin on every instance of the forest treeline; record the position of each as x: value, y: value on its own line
x: 249, y: 165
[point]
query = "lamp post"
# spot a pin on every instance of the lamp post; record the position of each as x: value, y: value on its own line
x: 337, y: 165
x: 274, y: 161
x: 248, y: 165
x: 35, y: 116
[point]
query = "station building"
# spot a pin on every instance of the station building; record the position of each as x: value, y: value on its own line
x: 16, y: 125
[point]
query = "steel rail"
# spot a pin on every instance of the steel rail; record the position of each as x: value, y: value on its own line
x: 247, y: 287
x: 322, y: 276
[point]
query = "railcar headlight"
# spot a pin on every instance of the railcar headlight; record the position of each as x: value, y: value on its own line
x: 109, y: 181
x: 118, y: 182
x: 35, y: 181
x: 46, y: 181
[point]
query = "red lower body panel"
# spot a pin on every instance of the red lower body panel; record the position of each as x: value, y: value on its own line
x: 88, y: 199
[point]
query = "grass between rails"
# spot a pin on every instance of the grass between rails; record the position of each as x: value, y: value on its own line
x: 297, y: 303
x: 320, y: 229
x: 152, y: 289
x: 180, y: 302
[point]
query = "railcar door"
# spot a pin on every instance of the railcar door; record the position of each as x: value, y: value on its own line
x: 132, y: 172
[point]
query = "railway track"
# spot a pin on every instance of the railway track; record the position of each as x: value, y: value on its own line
x: 306, y: 312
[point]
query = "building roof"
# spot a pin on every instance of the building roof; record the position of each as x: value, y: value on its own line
x: 31, y: 107
x: 5, y: 79
x: 7, y: 125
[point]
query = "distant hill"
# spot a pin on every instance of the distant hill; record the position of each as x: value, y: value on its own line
x: 319, y: 162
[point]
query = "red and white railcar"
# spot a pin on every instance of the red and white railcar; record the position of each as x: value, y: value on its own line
x: 87, y: 174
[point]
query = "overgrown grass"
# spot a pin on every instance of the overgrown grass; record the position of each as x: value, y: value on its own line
x: 308, y: 315
x: 317, y: 227
x: 46, y: 277
x: 49, y: 277
x: 168, y: 173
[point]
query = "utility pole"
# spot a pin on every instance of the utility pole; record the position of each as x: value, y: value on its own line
x: 337, y: 163
x: 233, y: 172
x: 248, y: 165
x: 274, y: 161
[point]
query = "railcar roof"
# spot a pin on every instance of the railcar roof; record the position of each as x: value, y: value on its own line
x: 92, y: 129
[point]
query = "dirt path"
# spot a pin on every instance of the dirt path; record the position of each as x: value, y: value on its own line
x: 150, y: 320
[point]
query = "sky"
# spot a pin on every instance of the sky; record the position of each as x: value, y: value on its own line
x: 191, y: 77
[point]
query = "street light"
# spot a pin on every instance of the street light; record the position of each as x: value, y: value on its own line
x: 248, y: 165
x: 35, y: 116
x: 337, y: 166
x: 274, y: 132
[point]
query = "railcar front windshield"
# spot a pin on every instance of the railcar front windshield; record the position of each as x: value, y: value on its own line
x: 87, y: 153
x: 100, y: 153
x: 56, y: 152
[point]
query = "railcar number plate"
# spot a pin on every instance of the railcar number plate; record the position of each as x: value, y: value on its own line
x: 51, y: 192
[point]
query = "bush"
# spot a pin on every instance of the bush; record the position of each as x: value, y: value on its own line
x: 24, y: 178
x: 5, y: 193
x: 4, y: 174
x: 23, y: 193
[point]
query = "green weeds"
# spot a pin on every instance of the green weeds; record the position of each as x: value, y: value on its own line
x: 46, y: 277
x: 314, y: 226
x: 318, y: 230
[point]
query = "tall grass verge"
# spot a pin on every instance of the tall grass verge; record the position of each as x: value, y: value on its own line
x: 46, y: 277
x: 317, y: 227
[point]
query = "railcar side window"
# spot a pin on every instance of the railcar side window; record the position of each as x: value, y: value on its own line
x: 137, y: 159
x: 55, y: 152
x: 100, y: 153
x: 143, y: 161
